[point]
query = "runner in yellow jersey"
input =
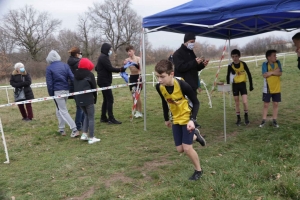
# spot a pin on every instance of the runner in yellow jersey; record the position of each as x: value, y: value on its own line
x: 271, y: 71
x: 236, y: 74
x: 179, y: 97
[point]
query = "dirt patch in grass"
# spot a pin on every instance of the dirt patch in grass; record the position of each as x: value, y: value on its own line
x: 117, y: 177
x: 85, y: 195
x: 154, y: 164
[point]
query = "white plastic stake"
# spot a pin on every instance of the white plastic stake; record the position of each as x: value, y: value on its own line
x: 4, y: 143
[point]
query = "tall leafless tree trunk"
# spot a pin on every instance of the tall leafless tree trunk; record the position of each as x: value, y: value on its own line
x: 88, y: 37
x: 30, y: 28
x: 118, y: 23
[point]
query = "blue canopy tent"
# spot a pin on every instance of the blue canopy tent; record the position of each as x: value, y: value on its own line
x: 227, y: 19
x: 224, y: 19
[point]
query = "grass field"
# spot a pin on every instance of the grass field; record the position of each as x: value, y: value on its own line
x: 130, y: 163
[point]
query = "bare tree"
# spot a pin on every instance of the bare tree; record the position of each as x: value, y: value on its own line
x: 5, y: 66
x: 117, y: 22
x: 30, y: 28
x: 67, y: 39
x: 88, y: 37
x: 7, y: 43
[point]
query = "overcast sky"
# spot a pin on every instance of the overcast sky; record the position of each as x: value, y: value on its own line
x: 68, y: 11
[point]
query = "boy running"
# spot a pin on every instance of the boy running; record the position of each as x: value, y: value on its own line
x: 134, y: 77
x: 237, y: 73
x: 271, y: 71
x: 175, y: 95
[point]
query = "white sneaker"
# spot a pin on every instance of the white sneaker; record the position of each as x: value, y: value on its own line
x: 84, y: 136
x: 93, y: 140
x: 75, y: 134
x: 138, y: 114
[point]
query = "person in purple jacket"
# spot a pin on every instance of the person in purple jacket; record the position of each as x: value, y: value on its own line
x: 57, y: 76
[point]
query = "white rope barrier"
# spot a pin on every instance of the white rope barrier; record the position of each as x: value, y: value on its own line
x: 67, y: 95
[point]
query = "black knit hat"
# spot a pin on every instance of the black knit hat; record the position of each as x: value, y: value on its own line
x: 189, y: 36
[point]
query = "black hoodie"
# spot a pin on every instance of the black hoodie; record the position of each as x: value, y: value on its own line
x: 104, y: 68
x: 186, y: 66
x: 85, y: 80
x: 73, y: 63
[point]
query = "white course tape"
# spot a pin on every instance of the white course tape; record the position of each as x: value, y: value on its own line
x: 67, y: 95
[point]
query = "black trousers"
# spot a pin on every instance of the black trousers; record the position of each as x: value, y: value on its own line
x: 107, y: 104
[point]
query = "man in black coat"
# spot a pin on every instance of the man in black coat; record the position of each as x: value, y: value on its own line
x: 104, y: 71
x: 187, y: 64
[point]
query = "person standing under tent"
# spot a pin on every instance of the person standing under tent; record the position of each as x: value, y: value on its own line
x: 135, y: 76
x: 296, y: 40
x: 21, y: 78
x: 104, y: 72
x: 75, y: 56
x: 187, y: 65
x: 84, y: 79
x: 271, y: 71
x: 175, y: 95
x: 238, y: 69
x: 58, y: 75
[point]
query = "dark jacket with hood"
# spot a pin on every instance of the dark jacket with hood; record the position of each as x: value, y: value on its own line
x: 58, y: 74
x: 186, y: 66
x: 85, y: 80
x: 104, y: 68
x: 19, y: 80
x: 73, y: 63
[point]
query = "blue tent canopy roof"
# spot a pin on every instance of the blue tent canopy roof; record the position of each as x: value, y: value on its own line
x: 227, y: 19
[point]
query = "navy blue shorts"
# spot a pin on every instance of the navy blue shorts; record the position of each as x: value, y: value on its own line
x: 275, y: 97
x: 181, y: 135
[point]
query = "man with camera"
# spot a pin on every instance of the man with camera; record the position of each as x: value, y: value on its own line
x: 187, y: 64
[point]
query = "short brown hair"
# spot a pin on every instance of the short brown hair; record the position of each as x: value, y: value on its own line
x: 128, y: 48
x: 74, y: 50
x: 164, y: 66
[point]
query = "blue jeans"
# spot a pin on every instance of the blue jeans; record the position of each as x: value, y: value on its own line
x: 79, y: 118
x: 89, y: 120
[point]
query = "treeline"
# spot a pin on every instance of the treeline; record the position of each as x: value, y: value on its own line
x: 27, y: 36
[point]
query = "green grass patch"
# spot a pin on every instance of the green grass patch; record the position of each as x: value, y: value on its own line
x: 130, y: 163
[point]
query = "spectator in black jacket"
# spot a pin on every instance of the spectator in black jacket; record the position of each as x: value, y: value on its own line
x: 104, y: 71
x: 296, y: 40
x: 187, y: 64
x: 20, y: 78
x: 75, y: 56
x: 84, y: 79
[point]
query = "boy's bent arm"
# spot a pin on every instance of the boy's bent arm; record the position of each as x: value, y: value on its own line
x: 164, y: 104
x: 188, y: 91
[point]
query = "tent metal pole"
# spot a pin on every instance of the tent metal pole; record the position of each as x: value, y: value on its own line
x: 144, y: 79
x: 229, y: 57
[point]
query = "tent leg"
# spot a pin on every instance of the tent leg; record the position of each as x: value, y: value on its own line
x: 229, y: 60
x: 144, y: 78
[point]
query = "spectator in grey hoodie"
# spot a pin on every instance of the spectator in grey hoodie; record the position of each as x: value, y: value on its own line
x: 57, y: 76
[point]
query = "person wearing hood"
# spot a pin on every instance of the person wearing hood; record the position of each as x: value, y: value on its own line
x: 84, y: 79
x: 20, y: 78
x: 75, y: 56
x: 104, y: 72
x: 187, y: 64
x: 58, y: 75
